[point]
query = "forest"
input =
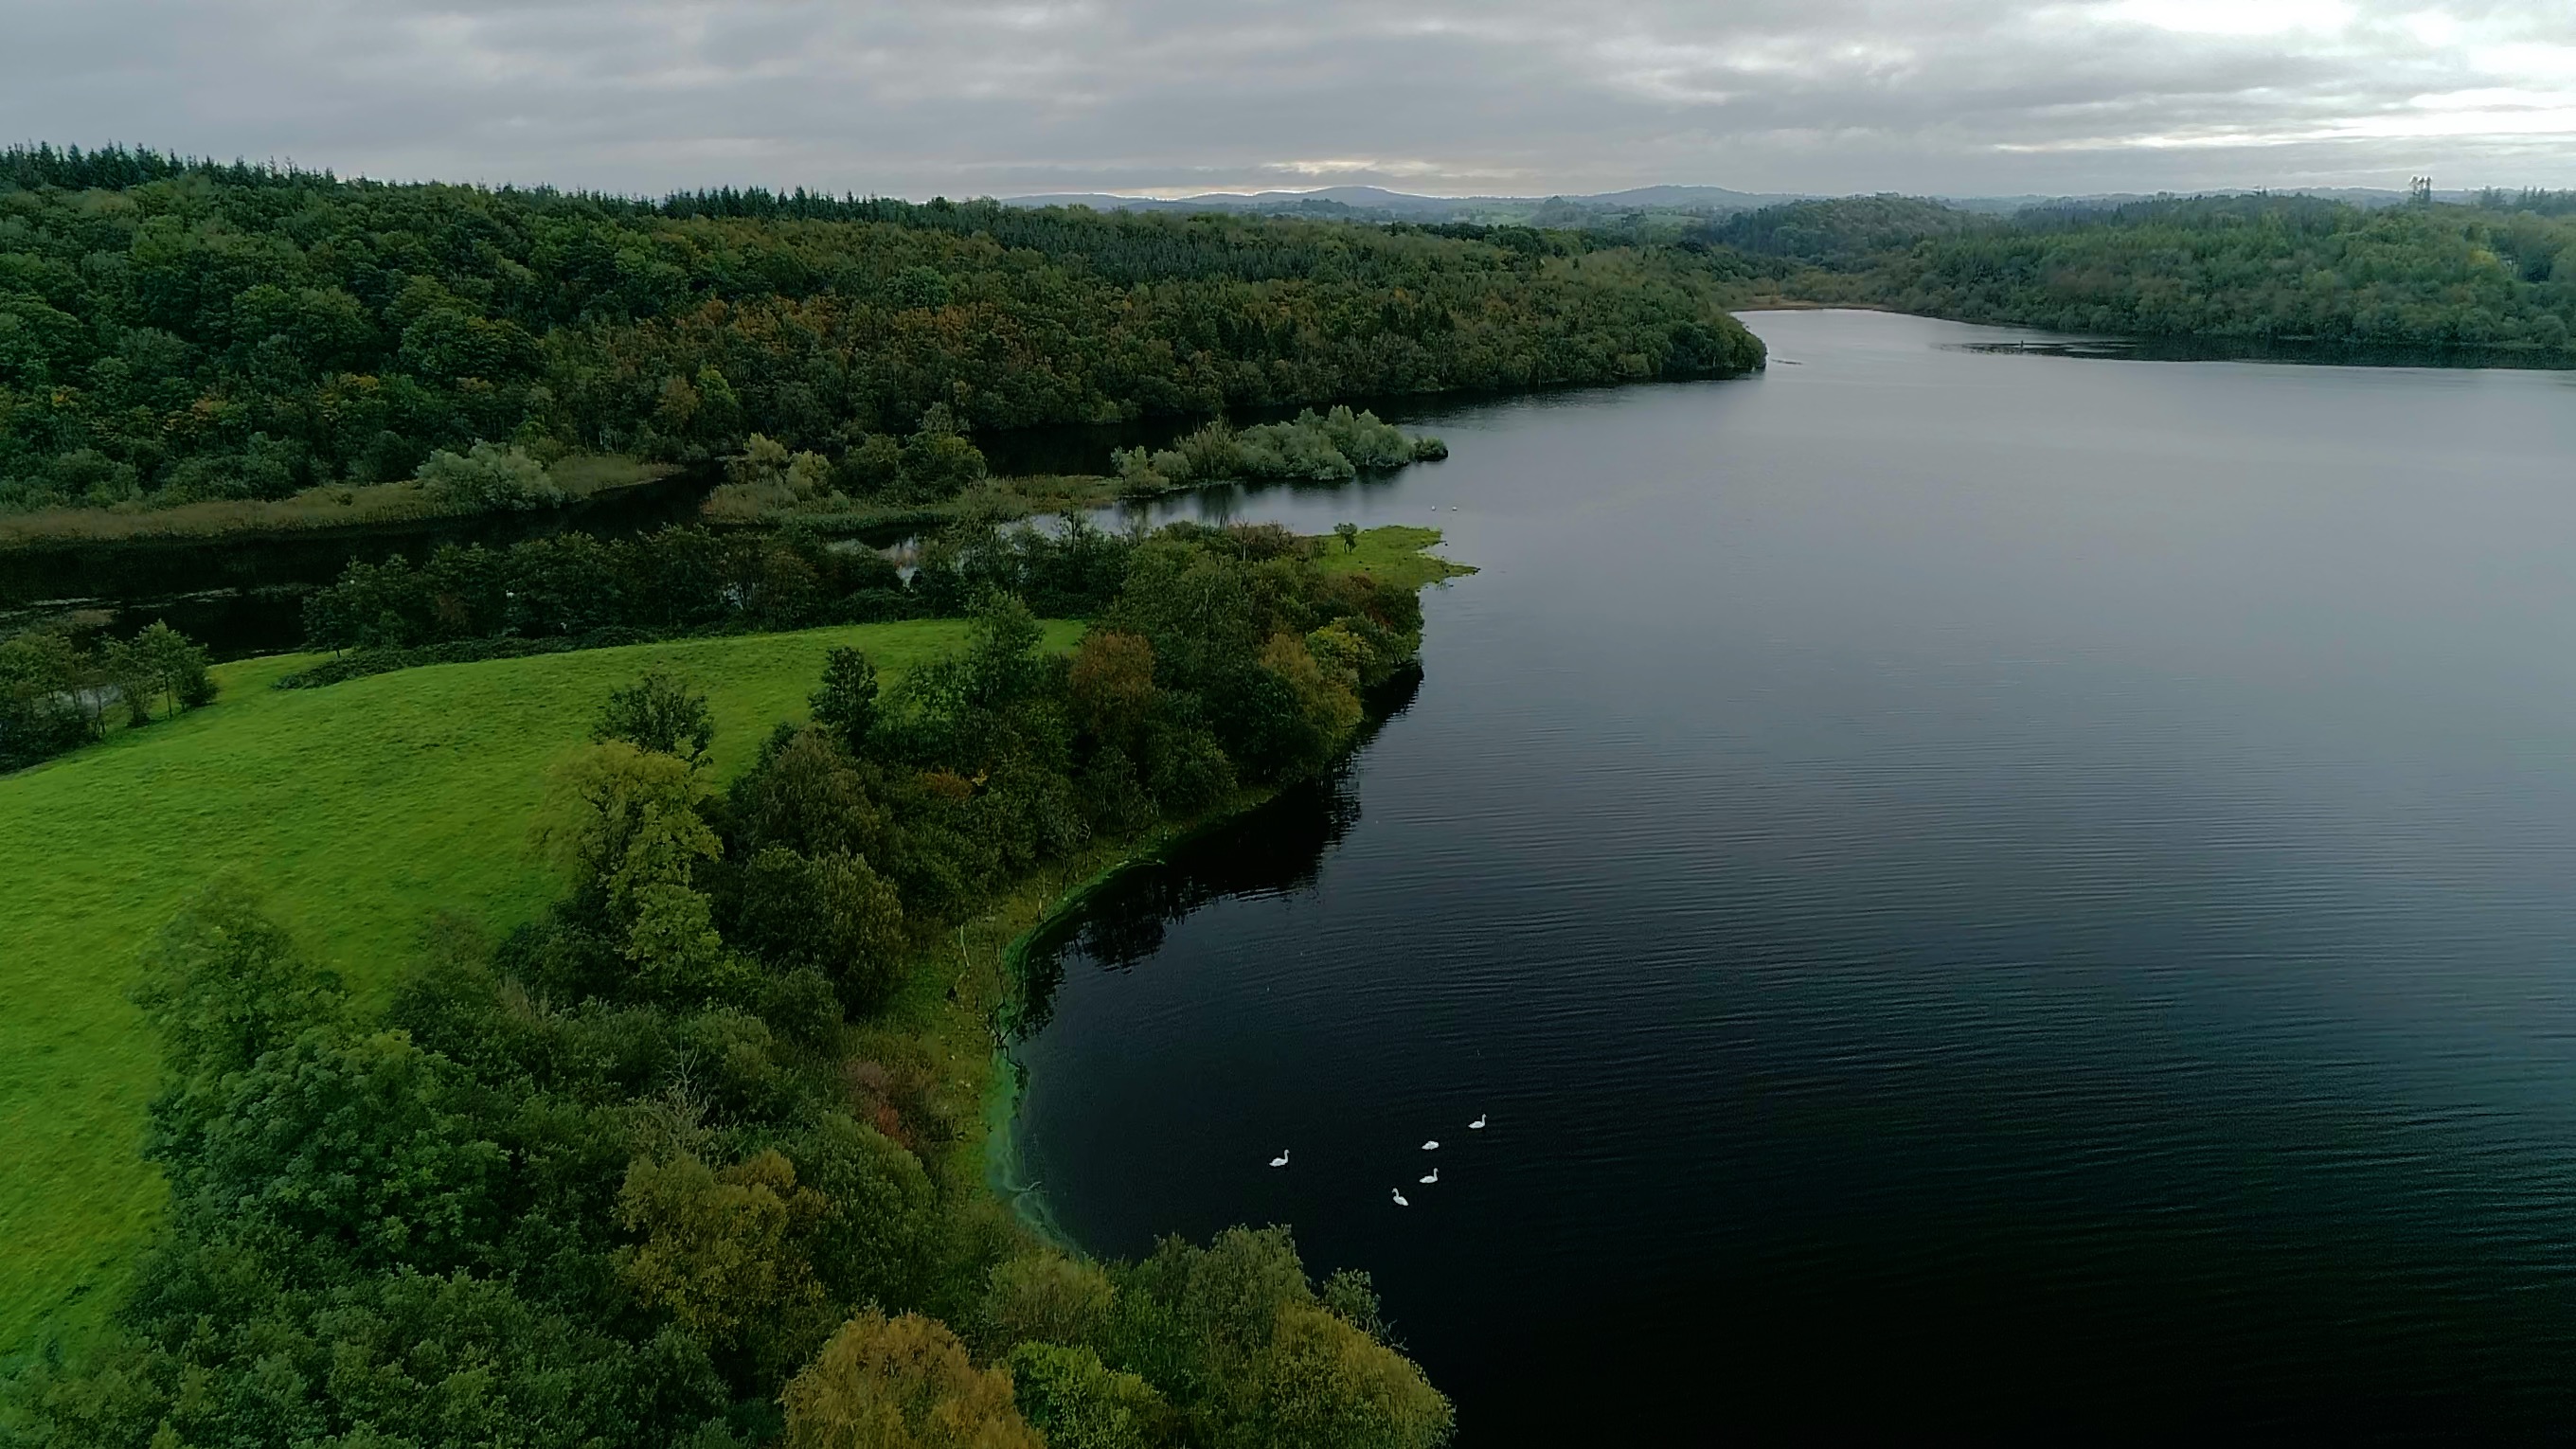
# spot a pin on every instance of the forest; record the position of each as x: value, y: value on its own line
x: 2496, y: 274
x: 692, y: 1159
x: 174, y: 332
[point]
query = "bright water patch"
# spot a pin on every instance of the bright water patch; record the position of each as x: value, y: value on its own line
x: 1997, y: 889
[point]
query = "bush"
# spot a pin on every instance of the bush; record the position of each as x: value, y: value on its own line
x: 1327, y: 448
x: 487, y: 478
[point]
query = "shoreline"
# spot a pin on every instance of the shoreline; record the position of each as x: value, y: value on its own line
x: 1007, y: 1083
x: 1003, y: 1166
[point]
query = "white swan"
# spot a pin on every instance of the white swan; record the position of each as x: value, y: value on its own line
x: 1399, y: 1198
x: 1432, y: 1145
x: 1478, y: 1125
x: 1434, y: 1177
x: 1281, y: 1160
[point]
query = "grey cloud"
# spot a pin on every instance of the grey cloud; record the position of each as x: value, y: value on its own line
x: 1501, y: 96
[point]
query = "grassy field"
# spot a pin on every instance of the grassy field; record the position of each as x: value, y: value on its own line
x: 361, y: 808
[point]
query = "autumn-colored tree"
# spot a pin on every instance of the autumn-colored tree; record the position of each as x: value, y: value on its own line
x: 1113, y: 684
x: 902, y: 1383
x: 1332, y: 710
x: 1048, y: 1298
x: 1322, y: 1383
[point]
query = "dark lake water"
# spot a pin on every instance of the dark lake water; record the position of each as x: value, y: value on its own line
x: 2014, y: 891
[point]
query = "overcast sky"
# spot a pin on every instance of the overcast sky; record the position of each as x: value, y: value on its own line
x: 1517, y: 97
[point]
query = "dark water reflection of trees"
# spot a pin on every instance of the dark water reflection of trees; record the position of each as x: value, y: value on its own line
x: 1274, y: 850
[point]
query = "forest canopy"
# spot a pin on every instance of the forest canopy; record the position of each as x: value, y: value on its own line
x: 2497, y: 274
x: 174, y: 331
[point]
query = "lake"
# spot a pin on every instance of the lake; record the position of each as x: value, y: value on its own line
x: 1990, y: 889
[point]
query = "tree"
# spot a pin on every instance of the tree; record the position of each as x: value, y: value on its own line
x: 661, y: 713
x: 722, y: 1251
x: 45, y: 684
x: 1235, y: 1335
x: 846, y: 704
x: 1077, y: 1403
x: 597, y: 802
x: 1113, y: 684
x: 938, y: 461
x: 159, y: 664
x: 879, y: 1240
x: 671, y: 937
x: 1332, y: 710
x: 1002, y: 639
x: 349, y: 1142
x: 1046, y: 1297
x: 1349, y: 534
x: 808, y: 796
x: 1322, y: 1383
x: 833, y: 915
x: 225, y: 984
x: 902, y: 1383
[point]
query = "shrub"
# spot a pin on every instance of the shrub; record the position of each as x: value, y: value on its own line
x: 487, y: 478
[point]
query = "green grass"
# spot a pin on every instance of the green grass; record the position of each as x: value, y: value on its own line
x: 1395, y: 553
x: 361, y: 809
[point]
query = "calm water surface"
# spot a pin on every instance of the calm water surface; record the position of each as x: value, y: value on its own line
x: 2011, y: 890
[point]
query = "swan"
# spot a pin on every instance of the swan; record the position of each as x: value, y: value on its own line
x: 1478, y: 1125
x: 1281, y: 1160
x: 1399, y: 1198
x: 1431, y: 1146
x: 1434, y: 1177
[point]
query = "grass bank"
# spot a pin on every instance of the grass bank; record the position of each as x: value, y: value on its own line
x: 333, y: 506
x: 361, y: 809
x: 1396, y: 553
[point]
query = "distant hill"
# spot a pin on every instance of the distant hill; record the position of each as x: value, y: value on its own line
x: 2361, y: 196
x: 1687, y: 198
x: 1376, y: 203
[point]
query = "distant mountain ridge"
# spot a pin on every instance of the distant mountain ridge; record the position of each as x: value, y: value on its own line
x: 1376, y: 203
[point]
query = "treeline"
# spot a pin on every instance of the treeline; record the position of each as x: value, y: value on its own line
x: 56, y: 694
x: 2501, y: 274
x: 670, y: 582
x: 174, y: 331
x: 689, y: 1162
x: 684, y: 580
